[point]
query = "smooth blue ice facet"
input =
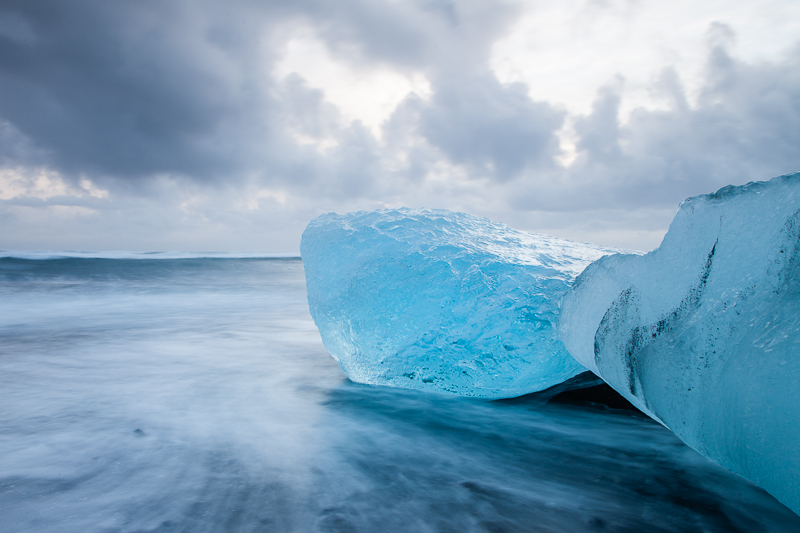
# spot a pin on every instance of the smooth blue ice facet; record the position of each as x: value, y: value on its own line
x: 703, y: 334
x: 441, y: 301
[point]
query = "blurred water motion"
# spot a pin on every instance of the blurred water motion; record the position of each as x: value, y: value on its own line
x: 193, y: 394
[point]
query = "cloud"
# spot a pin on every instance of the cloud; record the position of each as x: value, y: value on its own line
x: 496, y: 130
x: 745, y: 126
x: 134, y: 89
x: 202, y: 119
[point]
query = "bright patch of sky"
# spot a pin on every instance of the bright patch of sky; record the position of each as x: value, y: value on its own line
x: 565, y: 50
x: 43, y: 184
x: 368, y: 94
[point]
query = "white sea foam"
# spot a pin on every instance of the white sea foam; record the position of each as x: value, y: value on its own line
x: 61, y: 254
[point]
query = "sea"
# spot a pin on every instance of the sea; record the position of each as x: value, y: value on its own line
x: 182, y: 392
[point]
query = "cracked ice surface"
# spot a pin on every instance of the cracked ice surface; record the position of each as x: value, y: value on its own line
x: 441, y: 301
x: 703, y: 334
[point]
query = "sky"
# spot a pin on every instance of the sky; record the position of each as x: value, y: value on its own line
x: 227, y: 126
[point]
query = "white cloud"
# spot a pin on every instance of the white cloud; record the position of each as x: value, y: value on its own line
x: 369, y: 93
x: 43, y: 184
x: 565, y: 50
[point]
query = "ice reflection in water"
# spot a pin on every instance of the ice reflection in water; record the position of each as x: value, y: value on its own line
x: 194, y: 395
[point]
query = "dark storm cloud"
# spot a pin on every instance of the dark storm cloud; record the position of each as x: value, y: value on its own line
x: 132, y: 89
x: 99, y: 103
x: 439, y: 36
x: 496, y: 129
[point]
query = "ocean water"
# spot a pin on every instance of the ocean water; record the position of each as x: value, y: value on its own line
x: 161, y: 393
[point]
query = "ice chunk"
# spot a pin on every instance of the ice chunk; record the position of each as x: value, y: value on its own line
x: 441, y: 301
x: 703, y: 334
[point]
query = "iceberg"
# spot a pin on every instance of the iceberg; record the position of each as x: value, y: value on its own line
x: 441, y: 301
x: 703, y: 334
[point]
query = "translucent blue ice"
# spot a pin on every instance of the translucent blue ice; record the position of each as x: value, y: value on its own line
x: 703, y: 334
x: 441, y: 301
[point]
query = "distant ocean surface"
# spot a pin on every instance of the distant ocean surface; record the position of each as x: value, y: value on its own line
x: 185, y: 392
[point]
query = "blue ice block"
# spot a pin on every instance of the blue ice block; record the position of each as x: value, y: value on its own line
x: 441, y: 301
x: 703, y: 334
